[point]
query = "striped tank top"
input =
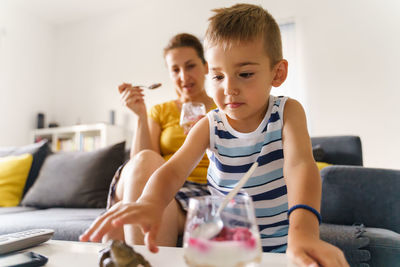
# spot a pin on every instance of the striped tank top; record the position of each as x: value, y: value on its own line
x: 232, y: 153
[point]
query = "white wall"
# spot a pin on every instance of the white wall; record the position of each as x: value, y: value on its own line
x: 347, y: 52
x: 26, y: 63
x: 350, y: 62
x: 96, y: 56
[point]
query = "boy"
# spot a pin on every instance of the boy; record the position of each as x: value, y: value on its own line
x: 243, y: 49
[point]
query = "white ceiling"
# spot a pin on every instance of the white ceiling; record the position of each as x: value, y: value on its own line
x: 66, y: 11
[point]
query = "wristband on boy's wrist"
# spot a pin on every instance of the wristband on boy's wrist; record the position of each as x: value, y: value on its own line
x: 306, y: 207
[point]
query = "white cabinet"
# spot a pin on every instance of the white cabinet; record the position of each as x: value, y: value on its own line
x: 85, y: 137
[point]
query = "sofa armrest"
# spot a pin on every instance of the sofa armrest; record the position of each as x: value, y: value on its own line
x: 368, y: 196
x: 350, y: 240
x: 384, y: 246
x: 364, y: 246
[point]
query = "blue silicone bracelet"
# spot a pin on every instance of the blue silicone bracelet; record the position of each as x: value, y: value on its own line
x: 302, y: 206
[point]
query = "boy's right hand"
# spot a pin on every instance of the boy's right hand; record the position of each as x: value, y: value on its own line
x: 132, y: 98
x: 144, y: 214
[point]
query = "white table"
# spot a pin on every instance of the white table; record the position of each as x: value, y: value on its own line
x: 77, y: 254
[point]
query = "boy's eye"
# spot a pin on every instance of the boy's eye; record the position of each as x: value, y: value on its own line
x: 246, y: 74
x: 191, y: 66
x: 217, y: 77
x: 175, y: 70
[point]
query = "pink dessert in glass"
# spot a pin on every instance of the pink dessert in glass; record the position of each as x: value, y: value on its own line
x: 232, y: 247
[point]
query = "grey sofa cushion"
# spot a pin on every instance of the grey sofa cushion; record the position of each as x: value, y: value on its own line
x: 76, y: 179
x: 67, y: 224
x: 9, y: 210
x: 39, y: 152
x: 361, y: 195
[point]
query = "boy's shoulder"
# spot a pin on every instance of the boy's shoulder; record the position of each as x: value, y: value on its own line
x: 293, y: 111
x: 288, y: 102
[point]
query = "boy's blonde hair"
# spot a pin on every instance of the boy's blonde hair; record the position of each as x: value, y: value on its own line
x: 243, y: 23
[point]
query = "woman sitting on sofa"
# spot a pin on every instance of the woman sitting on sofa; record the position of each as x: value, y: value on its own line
x: 158, y: 135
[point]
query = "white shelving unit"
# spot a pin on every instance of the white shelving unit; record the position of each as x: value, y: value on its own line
x: 83, y: 137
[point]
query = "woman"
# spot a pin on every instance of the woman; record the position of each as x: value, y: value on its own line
x: 158, y: 135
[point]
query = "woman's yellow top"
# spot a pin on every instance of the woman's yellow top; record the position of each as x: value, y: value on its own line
x: 167, y: 115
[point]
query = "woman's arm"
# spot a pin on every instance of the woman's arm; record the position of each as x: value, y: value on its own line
x: 147, y: 132
x: 179, y: 166
x: 147, y: 135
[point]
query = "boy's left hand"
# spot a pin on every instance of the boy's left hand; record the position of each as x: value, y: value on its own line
x: 309, y: 252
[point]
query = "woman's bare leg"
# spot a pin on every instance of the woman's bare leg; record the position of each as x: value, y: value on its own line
x: 134, y: 177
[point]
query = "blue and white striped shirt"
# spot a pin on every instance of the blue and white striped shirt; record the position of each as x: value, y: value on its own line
x: 232, y: 153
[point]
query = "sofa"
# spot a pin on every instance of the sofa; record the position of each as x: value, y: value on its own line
x: 360, y: 206
x: 68, y: 192
x: 355, y: 215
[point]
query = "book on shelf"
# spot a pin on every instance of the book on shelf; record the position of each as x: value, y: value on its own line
x: 83, y: 138
x: 90, y: 143
x: 65, y: 144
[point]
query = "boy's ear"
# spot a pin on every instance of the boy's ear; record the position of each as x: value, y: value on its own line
x: 280, y: 73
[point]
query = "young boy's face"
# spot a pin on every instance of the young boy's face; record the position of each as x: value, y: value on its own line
x: 241, y: 79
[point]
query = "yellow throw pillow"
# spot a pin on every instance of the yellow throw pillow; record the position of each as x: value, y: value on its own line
x: 14, y: 171
x: 322, y: 165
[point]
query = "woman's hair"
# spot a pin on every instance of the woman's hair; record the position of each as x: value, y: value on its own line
x: 186, y: 40
x: 244, y: 23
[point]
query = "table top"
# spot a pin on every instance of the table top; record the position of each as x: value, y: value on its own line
x: 70, y: 253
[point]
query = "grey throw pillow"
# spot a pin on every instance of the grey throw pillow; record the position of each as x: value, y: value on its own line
x: 76, y: 179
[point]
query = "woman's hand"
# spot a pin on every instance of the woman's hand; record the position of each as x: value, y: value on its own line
x: 311, y: 252
x: 146, y: 215
x: 132, y: 98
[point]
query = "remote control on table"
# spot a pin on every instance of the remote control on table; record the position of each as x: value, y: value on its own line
x: 24, y: 239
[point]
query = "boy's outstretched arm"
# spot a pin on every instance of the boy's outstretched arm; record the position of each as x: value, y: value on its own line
x: 304, y: 187
x: 159, y: 191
